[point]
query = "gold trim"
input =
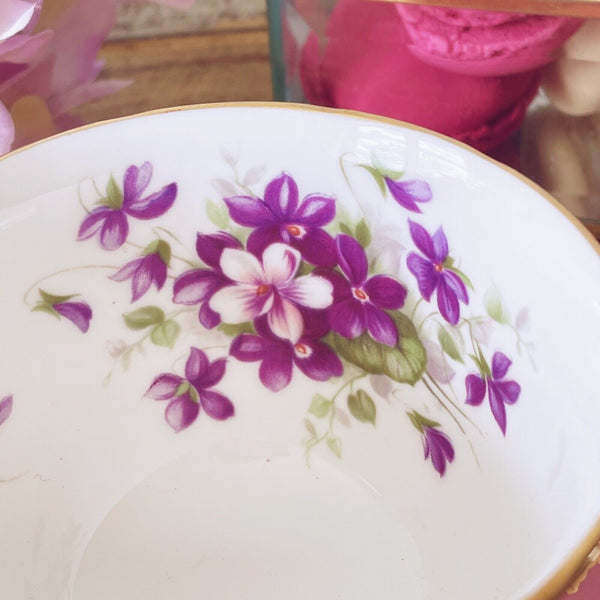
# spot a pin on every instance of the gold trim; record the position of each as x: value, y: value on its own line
x: 575, y: 568
x: 592, y: 560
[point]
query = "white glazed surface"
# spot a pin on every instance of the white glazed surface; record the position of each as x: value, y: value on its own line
x: 233, y: 509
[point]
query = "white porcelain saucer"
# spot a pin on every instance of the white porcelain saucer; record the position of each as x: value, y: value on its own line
x: 278, y: 352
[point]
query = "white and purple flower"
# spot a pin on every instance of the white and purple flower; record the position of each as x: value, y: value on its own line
x: 500, y: 391
x: 278, y: 356
x: 410, y: 193
x: 360, y: 301
x: 6, y: 405
x: 269, y: 287
x: 146, y: 270
x: 199, y: 285
x: 110, y: 219
x: 188, y: 395
x: 280, y: 217
x: 433, y: 272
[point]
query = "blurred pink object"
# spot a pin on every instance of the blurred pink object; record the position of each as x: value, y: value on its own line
x: 49, y: 64
x: 590, y: 588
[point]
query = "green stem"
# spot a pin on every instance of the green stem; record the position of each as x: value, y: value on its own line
x: 443, y: 405
x: 414, y: 310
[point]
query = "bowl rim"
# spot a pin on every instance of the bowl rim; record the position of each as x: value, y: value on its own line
x: 572, y: 572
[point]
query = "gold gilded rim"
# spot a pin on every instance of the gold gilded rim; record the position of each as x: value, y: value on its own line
x: 574, y: 565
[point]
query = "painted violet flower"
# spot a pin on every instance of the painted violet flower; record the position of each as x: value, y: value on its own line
x: 436, y: 444
x: 199, y: 285
x: 79, y: 313
x: 110, y: 219
x: 360, y: 301
x: 434, y: 272
x: 408, y: 193
x: 269, y: 288
x: 146, y: 270
x: 6, y: 405
x: 278, y: 356
x: 188, y: 395
x: 281, y: 218
x: 500, y: 391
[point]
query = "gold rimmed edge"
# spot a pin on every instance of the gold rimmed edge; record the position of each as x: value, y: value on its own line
x: 575, y: 568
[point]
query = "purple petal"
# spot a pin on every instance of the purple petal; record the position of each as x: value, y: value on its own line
x: 79, y: 313
x: 317, y: 247
x: 440, y: 246
x: 212, y: 376
x: 475, y: 389
x: 135, y: 182
x: 509, y: 391
x: 497, y: 406
x: 126, y: 271
x: 448, y: 302
x: 196, y: 365
x: 6, y: 405
x: 348, y: 318
x: 154, y: 205
x: 150, y: 270
x: 285, y: 319
x: 427, y: 277
x: 316, y: 210
x: 341, y: 288
x: 182, y: 412
x: 216, y: 405
x: 316, y: 323
x: 249, y: 211
x: 210, y: 247
x: 262, y: 237
x: 93, y: 222
x: 317, y: 360
x: 114, y: 230
x: 439, y: 447
x: 281, y: 196
x: 280, y: 264
x: 455, y: 283
x: 164, y: 386
x: 249, y: 348
x: 380, y: 326
x: 385, y: 292
x: 408, y: 193
x: 208, y: 317
x: 275, y: 371
x: 500, y: 365
x: 351, y: 258
x: 422, y: 240
x: 196, y: 286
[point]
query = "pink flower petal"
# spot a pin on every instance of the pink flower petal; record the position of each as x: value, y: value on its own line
x: 181, y: 412
x: 6, y: 405
x: 241, y: 266
x: 285, y: 320
x: 311, y: 291
x: 240, y: 303
x: 163, y: 387
x: 216, y: 405
x: 7, y: 130
x: 15, y: 15
x: 280, y: 263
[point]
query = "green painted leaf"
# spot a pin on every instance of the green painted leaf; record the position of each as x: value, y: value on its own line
x: 43, y: 307
x: 233, y: 330
x: 163, y: 248
x: 320, y: 406
x: 165, y: 333
x: 390, y: 174
x: 419, y: 421
x: 362, y: 407
x: 363, y: 233
x: 52, y: 299
x: 404, y: 362
x: 114, y: 196
x: 305, y: 269
x: 144, y: 317
x: 184, y: 387
x: 218, y: 214
x: 335, y: 445
x: 463, y: 277
x: 126, y: 359
x: 377, y: 176
x: 345, y: 229
x: 449, y: 343
x: 310, y: 427
x: 494, y: 307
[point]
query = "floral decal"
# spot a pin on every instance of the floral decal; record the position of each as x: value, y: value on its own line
x: 298, y: 287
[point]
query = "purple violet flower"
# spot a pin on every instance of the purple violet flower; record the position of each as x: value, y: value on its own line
x: 187, y: 395
x: 110, y: 219
x: 199, y: 285
x: 408, y: 193
x: 278, y: 356
x: 6, y: 405
x: 270, y: 288
x: 79, y: 313
x: 500, y: 391
x: 148, y: 269
x: 437, y: 447
x: 281, y: 218
x: 434, y: 273
x: 358, y: 300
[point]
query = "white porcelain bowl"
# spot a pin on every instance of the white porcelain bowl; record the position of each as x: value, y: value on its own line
x: 278, y: 352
